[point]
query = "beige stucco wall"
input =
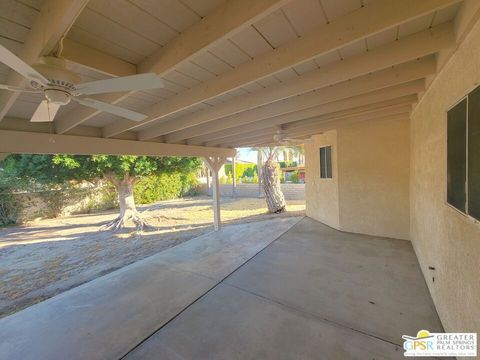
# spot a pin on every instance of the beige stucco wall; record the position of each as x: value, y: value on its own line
x: 374, y: 178
x: 369, y: 192
x: 442, y: 237
x: 321, y: 194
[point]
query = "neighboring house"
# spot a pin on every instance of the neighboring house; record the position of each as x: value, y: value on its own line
x: 290, y: 170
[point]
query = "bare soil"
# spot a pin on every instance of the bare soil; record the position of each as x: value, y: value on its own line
x: 46, y: 257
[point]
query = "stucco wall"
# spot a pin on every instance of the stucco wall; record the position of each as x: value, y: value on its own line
x: 374, y: 159
x: 442, y: 237
x: 321, y: 194
x: 369, y: 192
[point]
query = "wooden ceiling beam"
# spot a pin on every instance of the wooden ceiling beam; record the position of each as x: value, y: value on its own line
x: 319, y: 128
x: 301, y: 124
x: 343, y: 31
x: 406, y: 49
x: 51, y: 24
x: 395, y: 103
x: 225, y: 21
x: 320, y: 124
x: 40, y: 143
x: 333, y: 124
x: 406, y: 93
x: 382, y: 79
x: 96, y: 60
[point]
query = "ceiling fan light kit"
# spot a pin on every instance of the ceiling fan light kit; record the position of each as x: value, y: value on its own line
x: 60, y: 85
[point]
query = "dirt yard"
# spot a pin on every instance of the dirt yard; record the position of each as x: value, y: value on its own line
x: 47, y: 257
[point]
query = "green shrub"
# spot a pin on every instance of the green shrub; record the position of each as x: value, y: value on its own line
x: 223, y: 179
x: 164, y: 187
x: 10, y: 207
x: 57, y: 200
x: 241, y: 170
x: 294, y: 177
x: 191, y: 186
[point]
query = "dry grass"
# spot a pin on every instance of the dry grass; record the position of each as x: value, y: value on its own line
x: 44, y: 258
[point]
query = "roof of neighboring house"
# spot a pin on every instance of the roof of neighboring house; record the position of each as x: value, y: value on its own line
x: 239, y: 161
x: 293, y: 168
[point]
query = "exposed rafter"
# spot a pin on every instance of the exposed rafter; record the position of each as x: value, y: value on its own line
x: 408, y: 48
x: 225, y: 21
x: 259, y: 140
x: 41, y: 143
x: 342, y: 31
x: 52, y: 23
x: 268, y: 138
x: 401, y: 94
x: 96, y: 60
x: 309, y: 123
x: 382, y: 79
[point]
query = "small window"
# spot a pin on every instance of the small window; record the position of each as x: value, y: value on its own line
x: 326, y: 162
x: 463, y: 155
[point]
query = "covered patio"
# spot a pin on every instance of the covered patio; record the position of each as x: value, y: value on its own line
x: 384, y: 95
x: 279, y: 289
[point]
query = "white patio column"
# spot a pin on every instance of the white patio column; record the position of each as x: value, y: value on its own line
x: 209, y: 188
x: 214, y: 163
x: 259, y: 170
x: 234, y: 178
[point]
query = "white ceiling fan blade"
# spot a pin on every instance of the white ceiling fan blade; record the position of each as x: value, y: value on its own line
x: 45, y: 112
x: 112, y: 109
x: 125, y: 83
x: 20, y: 66
x: 18, y: 89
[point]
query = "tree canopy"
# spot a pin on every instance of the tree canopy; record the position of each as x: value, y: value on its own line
x: 121, y: 171
x: 57, y: 169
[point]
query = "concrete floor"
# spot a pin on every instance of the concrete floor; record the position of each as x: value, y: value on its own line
x: 314, y: 293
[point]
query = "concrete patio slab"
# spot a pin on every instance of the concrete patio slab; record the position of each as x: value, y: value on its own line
x: 314, y: 293
x: 217, y: 254
x: 229, y: 323
x: 107, y: 317
x: 370, y: 284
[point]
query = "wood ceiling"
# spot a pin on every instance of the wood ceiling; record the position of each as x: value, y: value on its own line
x: 236, y: 71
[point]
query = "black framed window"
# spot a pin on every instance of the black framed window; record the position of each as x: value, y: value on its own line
x: 463, y: 155
x: 326, y: 162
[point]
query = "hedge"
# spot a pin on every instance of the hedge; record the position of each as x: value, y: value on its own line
x: 165, y: 187
x: 241, y: 170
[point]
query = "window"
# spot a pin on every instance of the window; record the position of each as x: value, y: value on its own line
x: 463, y: 155
x: 326, y: 162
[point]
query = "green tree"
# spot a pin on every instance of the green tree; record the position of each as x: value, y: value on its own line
x: 121, y: 171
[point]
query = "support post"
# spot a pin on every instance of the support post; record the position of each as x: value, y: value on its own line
x: 209, y: 187
x: 259, y: 171
x: 214, y: 163
x: 234, y: 178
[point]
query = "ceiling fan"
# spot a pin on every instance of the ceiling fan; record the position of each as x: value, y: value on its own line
x: 60, y: 85
x: 282, y: 138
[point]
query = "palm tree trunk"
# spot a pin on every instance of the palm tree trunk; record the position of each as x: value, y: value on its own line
x: 271, y: 187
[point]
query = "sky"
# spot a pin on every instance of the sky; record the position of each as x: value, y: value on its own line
x: 247, y: 154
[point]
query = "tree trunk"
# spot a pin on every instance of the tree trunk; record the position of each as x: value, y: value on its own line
x: 272, y: 189
x: 128, y: 210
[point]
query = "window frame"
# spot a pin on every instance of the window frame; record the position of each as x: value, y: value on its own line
x: 320, y: 161
x: 465, y: 214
